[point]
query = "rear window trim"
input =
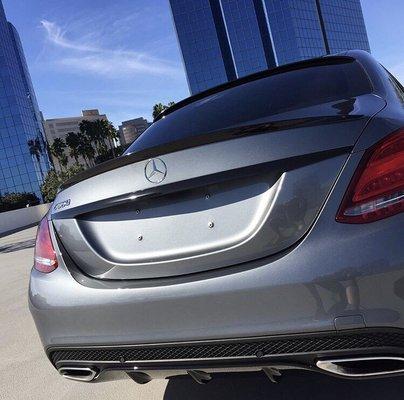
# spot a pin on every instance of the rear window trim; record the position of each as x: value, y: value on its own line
x: 314, y: 62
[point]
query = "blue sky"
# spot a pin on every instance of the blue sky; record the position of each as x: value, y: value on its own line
x: 121, y: 56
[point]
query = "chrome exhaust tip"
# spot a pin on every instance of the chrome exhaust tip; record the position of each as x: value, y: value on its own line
x: 82, y: 374
x: 363, y: 367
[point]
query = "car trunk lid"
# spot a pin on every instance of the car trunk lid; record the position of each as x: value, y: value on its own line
x: 219, y: 204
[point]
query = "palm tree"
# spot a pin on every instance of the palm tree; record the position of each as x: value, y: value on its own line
x: 108, y: 132
x: 73, y: 142
x: 101, y: 133
x: 86, y: 131
x: 159, y: 108
x: 92, y: 131
x: 89, y: 152
x: 93, y: 137
x: 63, y: 160
x: 86, y: 150
x: 57, y: 149
x: 35, y: 149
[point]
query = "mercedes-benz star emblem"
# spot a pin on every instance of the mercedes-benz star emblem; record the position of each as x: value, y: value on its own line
x: 155, y: 170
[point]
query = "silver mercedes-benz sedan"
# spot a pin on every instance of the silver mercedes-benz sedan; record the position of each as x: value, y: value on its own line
x: 258, y: 225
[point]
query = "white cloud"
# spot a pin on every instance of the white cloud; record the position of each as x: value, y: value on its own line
x: 118, y: 64
x: 81, y: 56
x: 56, y: 35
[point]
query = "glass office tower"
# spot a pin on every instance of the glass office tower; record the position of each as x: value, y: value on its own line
x: 343, y: 25
x: 205, y: 49
x: 23, y: 155
x: 245, y: 30
x: 221, y: 40
x: 296, y: 29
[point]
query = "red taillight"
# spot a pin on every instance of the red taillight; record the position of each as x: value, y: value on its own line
x: 377, y: 188
x: 45, y: 256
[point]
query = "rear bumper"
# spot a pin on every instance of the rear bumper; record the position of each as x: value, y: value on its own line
x: 353, y: 278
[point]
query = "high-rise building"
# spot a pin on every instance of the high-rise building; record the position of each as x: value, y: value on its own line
x: 132, y: 129
x: 23, y: 155
x: 60, y: 127
x: 222, y: 40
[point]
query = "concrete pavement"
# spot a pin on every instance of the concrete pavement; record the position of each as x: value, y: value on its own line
x: 25, y: 372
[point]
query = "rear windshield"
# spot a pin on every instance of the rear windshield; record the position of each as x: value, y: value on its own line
x: 254, y: 101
